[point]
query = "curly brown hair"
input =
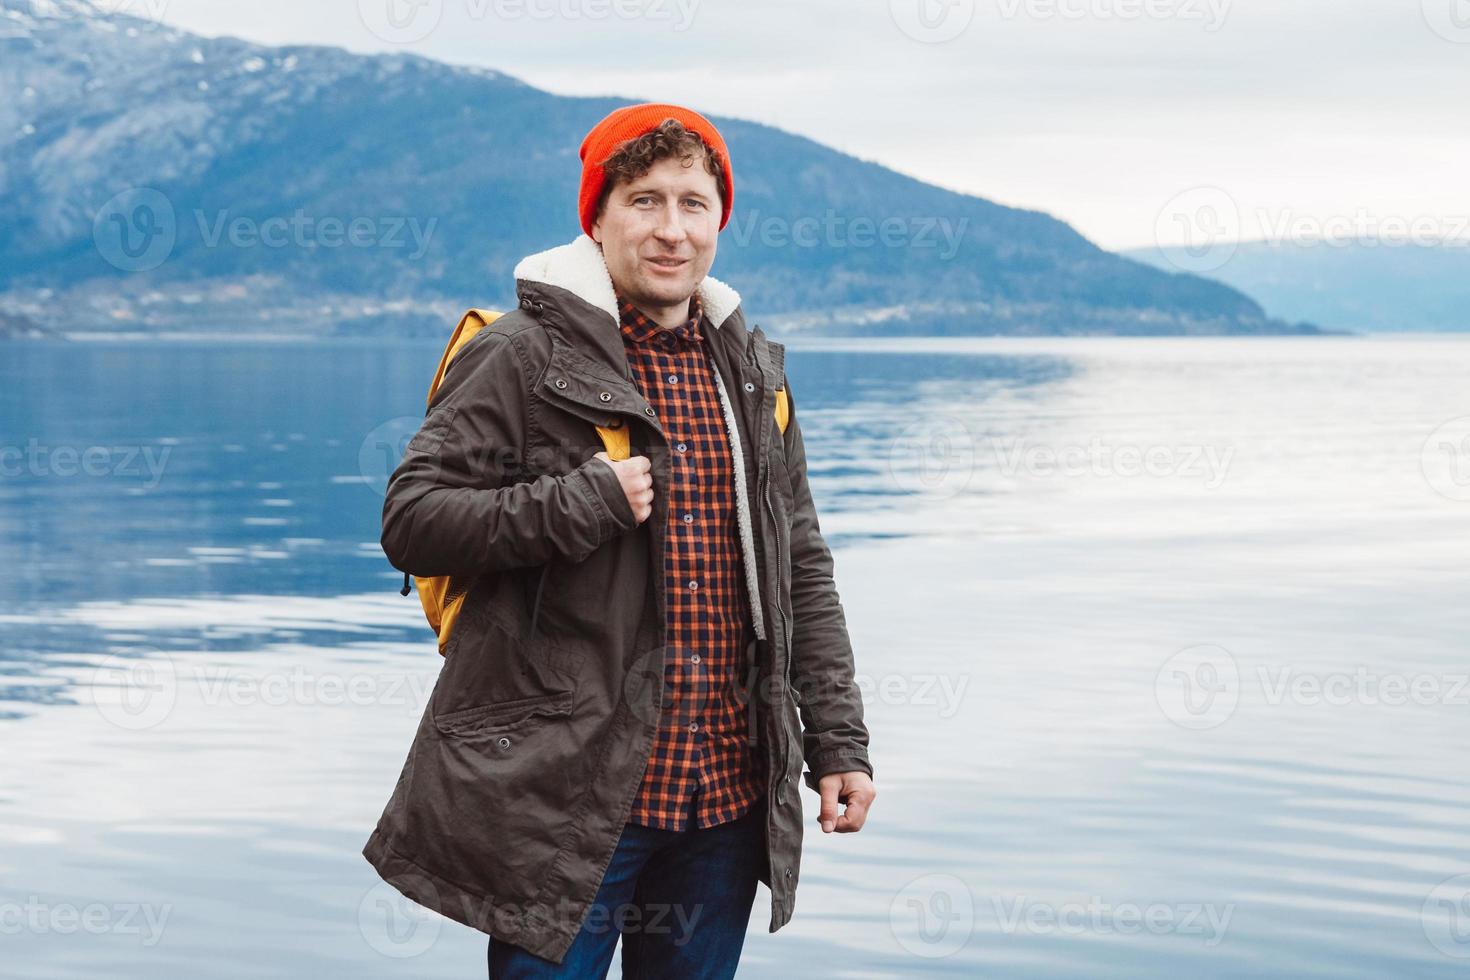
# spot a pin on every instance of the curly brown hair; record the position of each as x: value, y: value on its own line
x: 636, y: 157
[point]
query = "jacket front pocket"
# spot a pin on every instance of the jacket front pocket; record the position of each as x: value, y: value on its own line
x: 501, y: 716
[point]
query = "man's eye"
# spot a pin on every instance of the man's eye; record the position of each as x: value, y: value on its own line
x: 640, y: 200
x: 698, y: 204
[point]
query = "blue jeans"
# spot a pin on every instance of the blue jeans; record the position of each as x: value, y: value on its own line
x: 680, y: 900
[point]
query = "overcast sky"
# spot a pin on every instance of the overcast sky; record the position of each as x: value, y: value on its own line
x: 1134, y: 120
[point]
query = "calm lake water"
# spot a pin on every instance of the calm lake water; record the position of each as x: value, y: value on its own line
x: 1163, y: 643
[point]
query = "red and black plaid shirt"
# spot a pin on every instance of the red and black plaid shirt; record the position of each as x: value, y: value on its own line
x: 701, y: 742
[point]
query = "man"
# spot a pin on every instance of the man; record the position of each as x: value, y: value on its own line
x: 611, y: 746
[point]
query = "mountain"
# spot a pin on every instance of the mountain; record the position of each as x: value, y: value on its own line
x: 156, y: 181
x: 1365, y: 285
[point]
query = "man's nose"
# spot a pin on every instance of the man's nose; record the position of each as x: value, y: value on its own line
x: 670, y: 225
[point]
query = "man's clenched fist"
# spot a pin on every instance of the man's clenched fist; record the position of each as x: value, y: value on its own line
x: 633, y: 473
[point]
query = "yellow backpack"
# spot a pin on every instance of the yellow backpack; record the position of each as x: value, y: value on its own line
x: 443, y: 595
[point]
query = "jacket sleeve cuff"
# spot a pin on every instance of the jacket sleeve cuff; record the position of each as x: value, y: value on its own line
x: 836, y: 760
x: 600, y: 485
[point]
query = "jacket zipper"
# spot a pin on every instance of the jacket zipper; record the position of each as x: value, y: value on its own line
x: 785, y: 637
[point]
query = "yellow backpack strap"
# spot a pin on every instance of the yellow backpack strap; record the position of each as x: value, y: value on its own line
x: 441, y: 595
x: 614, y: 439
x: 469, y: 325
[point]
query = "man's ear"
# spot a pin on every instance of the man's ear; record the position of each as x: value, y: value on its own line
x: 596, y: 234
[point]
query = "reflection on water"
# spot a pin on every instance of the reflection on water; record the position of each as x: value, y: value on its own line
x: 1162, y: 643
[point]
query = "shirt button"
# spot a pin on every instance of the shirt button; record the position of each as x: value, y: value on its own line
x: 693, y: 585
x: 694, y: 726
x: 673, y: 379
x: 688, y: 518
x: 682, y: 447
x: 694, y: 659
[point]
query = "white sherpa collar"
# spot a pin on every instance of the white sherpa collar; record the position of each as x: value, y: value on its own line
x: 579, y: 268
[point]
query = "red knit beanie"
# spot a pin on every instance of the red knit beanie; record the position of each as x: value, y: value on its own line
x: 631, y: 122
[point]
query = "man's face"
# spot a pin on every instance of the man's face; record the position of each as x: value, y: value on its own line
x: 658, y: 236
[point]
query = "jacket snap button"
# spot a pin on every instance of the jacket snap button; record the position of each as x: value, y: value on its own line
x: 605, y: 396
x: 504, y: 743
x: 648, y: 412
x: 788, y: 872
x: 750, y: 386
x: 560, y: 382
